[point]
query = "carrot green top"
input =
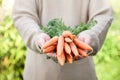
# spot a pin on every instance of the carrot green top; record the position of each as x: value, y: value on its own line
x: 55, y: 27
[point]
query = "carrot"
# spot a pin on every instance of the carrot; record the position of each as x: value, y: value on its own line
x: 82, y: 52
x: 68, y: 40
x: 50, y: 42
x: 69, y: 58
x: 60, y: 45
x: 67, y: 48
x: 82, y: 45
x: 49, y: 49
x: 61, y: 58
x: 76, y: 57
x: 68, y: 34
x: 74, y: 49
x: 74, y: 36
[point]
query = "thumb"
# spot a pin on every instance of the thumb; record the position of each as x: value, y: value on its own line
x: 44, y: 37
x: 41, y: 42
x: 52, y: 54
x: 85, y: 38
x: 47, y: 37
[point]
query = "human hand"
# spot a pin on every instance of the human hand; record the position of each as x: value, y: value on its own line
x: 43, y: 39
x: 52, y: 56
x: 91, y: 39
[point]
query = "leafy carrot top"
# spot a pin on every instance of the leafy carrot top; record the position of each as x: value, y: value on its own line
x: 55, y: 27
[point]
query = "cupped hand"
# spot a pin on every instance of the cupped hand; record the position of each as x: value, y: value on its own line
x: 91, y: 39
x: 52, y: 55
x: 44, y: 38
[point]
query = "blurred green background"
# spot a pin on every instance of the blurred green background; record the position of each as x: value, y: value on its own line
x: 12, y: 49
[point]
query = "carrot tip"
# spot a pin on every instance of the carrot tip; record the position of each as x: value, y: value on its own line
x: 90, y: 52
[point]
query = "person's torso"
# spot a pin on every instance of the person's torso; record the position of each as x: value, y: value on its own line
x: 72, y: 12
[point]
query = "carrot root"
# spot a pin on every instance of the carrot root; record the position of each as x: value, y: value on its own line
x: 82, y: 52
x: 49, y: 49
x: 67, y: 48
x: 68, y: 34
x: 68, y: 40
x: 82, y: 45
x: 50, y: 42
x: 61, y: 59
x: 69, y: 58
x: 60, y: 45
x: 74, y: 49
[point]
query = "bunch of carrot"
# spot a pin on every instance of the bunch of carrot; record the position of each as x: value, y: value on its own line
x: 67, y: 47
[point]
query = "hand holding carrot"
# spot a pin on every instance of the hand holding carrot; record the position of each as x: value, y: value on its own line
x: 66, y: 48
x: 91, y: 39
x: 43, y: 39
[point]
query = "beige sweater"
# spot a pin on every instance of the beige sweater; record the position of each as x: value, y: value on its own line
x: 28, y: 15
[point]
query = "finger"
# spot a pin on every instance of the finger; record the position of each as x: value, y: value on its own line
x: 85, y: 38
x: 41, y: 42
x: 53, y: 55
x: 81, y: 39
x: 46, y: 37
x: 49, y: 54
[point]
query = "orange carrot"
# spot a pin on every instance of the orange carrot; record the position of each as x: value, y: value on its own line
x: 69, y: 58
x: 82, y: 45
x: 67, y: 48
x: 74, y: 36
x: 49, y: 49
x: 74, y: 49
x: 82, y: 52
x: 68, y: 34
x: 68, y: 40
x: 61, y: 58
x: 60, y: 45
x: 50, y: 42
